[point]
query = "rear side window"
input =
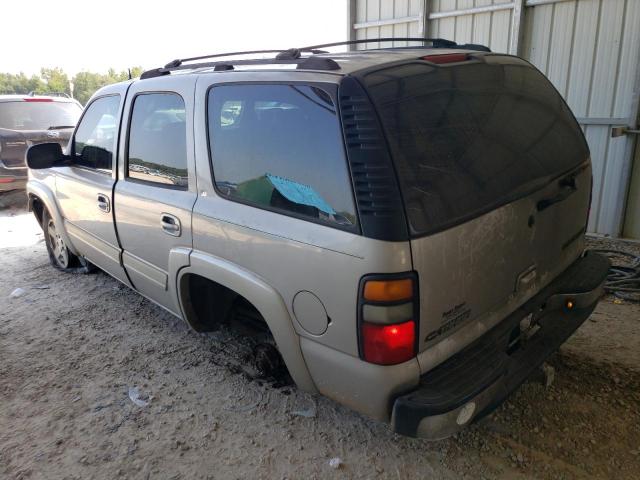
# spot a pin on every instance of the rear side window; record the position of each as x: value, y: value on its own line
x: 279, y: 147
x: 157, y: 150
x: 468, y: 138
x: 94, y: 143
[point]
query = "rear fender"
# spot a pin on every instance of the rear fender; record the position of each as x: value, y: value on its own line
x: 264, y: 298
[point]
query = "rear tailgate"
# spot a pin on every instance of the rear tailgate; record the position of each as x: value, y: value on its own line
x: 31, y: 120
x: 485, y: 268
x: 495, y: 177
x: 14, y: 144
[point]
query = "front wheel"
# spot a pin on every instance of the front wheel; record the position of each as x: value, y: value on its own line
x: 59, y: 254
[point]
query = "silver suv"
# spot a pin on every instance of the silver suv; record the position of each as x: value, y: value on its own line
x: 408, y: 222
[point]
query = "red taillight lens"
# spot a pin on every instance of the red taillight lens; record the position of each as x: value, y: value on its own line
x: 38, y: 100
x: 446, y: 58
x: 388, y: 344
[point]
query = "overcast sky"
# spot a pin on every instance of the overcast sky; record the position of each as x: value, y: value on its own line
x: 94, y: 35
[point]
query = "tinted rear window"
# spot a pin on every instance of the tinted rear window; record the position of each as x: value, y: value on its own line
x: 468, y: 138
x: 279, y: 147
x: 38, y: 115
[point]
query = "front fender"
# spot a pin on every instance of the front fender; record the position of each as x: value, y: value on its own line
x: 43, y: 192
x: 264, y: 298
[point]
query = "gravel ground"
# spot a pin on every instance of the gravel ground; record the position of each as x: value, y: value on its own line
x: 75, y: 350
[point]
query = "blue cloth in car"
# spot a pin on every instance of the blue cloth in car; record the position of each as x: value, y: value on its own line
x: 299, y: 193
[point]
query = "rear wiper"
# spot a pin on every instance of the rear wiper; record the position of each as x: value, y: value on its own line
x: 60, y: 127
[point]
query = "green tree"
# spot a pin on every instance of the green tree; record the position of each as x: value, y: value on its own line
x: 85, y: 84
x: 56, y: 80
x: 20, y: 84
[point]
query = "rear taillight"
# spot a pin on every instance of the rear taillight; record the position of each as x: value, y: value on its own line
x: 38, y: 100
x: 388, y: 318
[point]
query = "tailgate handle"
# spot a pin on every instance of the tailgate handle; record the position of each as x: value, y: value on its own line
x: 567, y: 187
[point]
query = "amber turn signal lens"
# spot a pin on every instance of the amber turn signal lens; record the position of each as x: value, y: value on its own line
x: 388, y: 290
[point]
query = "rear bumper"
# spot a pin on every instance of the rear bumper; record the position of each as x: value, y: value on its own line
x: 12, y: 178
x: 476, y: 380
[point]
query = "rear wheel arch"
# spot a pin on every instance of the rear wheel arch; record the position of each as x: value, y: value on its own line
x: 232, y: 282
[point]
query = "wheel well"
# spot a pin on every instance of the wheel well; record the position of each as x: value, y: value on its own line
x: 37, y: 207
x: 208, y: 304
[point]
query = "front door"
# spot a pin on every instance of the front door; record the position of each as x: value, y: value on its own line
x: 156, y: 190
x: 85, y: 189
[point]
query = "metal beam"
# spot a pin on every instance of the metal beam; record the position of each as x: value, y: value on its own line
x: 391, y: 21
x: 517, y: 29
x: 351, y: 20
x: 426, y: 8
x: 602, y: 120
x: 535, y: 3
x: 472, y: 11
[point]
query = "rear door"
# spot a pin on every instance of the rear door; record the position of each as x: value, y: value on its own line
x: 84, y: 189
x: 156, y: 191
x: 495, y: 178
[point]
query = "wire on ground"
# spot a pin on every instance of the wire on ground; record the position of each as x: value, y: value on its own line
x: 623, y: 280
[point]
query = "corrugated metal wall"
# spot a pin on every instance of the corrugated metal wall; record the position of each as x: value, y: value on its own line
x: 590, y: 49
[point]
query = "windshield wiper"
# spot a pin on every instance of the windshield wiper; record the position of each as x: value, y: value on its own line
x: 60, y: 127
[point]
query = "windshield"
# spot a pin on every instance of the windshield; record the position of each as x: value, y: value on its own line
x: 38, y: 115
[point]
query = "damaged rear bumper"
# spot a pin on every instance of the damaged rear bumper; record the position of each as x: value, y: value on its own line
x: 476, y: 380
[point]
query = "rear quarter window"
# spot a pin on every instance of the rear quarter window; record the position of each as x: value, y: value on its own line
x: 280, y: 148
x: 467, y: 138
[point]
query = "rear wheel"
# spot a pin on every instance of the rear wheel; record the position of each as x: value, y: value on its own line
x: 59, y: 254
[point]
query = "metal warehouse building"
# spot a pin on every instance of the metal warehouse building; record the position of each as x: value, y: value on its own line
x: 590, y: 49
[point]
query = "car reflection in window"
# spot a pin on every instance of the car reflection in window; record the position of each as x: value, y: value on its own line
x: 158, y: 173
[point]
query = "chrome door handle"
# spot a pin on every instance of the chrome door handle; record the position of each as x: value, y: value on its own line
x: 170, y: 224
x: 103, y: 203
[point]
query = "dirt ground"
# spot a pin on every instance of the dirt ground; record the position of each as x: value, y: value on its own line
x: 75, y: 349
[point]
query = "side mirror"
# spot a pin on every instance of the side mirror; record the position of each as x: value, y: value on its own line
x: 45, y: 155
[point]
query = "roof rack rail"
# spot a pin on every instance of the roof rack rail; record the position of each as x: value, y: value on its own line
x: 435, y: 43
x: 315, y: 63
x: 293, y: 56
x: 49, y: 94
x: 297, y: 51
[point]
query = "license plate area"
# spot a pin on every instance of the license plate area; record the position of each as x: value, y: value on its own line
x: 523, y: 332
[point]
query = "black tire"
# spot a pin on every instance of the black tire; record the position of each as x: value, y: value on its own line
x: 59, y: 255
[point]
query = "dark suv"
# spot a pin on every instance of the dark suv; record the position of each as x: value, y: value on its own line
x: 27, y: 120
